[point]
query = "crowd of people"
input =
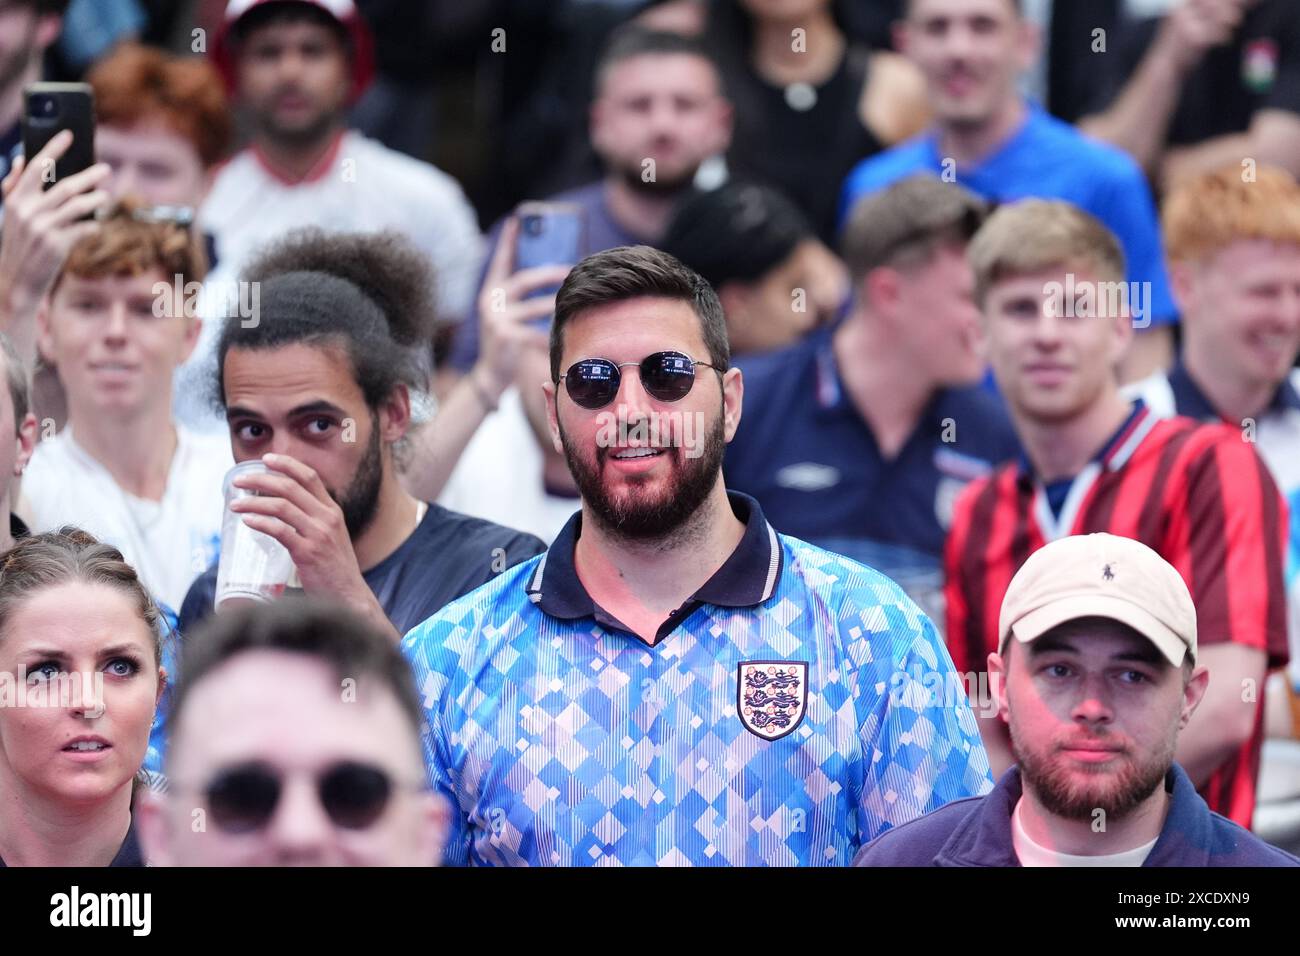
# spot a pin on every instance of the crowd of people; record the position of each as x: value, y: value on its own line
x: 901, y: 467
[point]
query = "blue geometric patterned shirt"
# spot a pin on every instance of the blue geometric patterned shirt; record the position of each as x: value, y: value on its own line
x: 777, y: 718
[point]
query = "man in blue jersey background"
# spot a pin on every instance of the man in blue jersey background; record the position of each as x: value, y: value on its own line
x: 673, y: 682
x: 992, y: 140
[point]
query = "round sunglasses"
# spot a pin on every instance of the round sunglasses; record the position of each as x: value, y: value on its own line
x: 667, y: 376
x: 243, y: 798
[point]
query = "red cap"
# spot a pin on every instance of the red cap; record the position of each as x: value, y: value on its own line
x: 344, y: 11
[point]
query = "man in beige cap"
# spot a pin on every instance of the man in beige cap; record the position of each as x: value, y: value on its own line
x: 1095, y: 675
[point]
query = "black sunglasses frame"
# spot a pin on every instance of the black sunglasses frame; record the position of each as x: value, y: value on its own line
x: 239, y: 821
x: 615, y: 378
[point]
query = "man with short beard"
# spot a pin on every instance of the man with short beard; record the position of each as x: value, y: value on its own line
x: 294, y: 67
x: 319, y: 389
x: 673, y: 682
x: 659, y: 113
x: 1100, y: 678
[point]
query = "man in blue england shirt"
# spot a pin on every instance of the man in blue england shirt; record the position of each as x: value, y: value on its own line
x: 991, y: 140
x: 673, y: 682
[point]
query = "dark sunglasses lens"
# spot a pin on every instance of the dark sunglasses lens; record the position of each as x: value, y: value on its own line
x: 354, y: 795
x: 668, y: 376
x: 243, y: 798
x: 592, y: 383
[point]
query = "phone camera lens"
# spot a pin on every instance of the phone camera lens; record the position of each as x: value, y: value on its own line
x: 47, y: 106
x: 533, y: 225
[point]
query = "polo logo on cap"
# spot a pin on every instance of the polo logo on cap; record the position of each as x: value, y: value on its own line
x: 771, y: 696
x: 1107, y: 574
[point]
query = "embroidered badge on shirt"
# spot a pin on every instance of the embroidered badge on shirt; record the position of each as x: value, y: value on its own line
x: 772, y: 696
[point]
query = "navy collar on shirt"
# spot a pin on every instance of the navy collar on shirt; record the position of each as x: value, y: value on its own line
x: 1190, y: 401
x: 832, y: 399
x: 746, y: 579
x: 1118, y: 448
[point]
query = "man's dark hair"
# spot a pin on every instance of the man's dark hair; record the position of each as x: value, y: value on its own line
x: 737, y: 232
x: 328, y: 632
x: 630, y: 272
x: 286, y: 11
x: 1017, y: 5
x: 370, y: 294
x: 46, y: 8
x: 632, y: 40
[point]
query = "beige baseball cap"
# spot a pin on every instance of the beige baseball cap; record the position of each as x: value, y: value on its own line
x: 1100, y: 575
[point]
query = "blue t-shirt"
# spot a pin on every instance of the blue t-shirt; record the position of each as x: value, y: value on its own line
x: 1047, y: 159
x: 771, y: 722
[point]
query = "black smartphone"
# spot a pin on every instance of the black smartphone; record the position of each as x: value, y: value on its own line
x: 549, y: 234
x: 49, y: 108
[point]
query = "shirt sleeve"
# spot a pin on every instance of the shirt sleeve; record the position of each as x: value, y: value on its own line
x: 920, y: 742
x: 423, y: 647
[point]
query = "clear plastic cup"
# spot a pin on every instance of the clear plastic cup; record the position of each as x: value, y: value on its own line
x: 253, y: 565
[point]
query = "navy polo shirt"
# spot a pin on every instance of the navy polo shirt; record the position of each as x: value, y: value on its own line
x: 807, y: 455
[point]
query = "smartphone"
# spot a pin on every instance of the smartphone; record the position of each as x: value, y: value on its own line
x: 550, y: 233
x: 49, y: 108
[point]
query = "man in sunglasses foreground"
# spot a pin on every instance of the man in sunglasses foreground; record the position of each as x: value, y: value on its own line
x: 673, y: 682
x: 295, y: 741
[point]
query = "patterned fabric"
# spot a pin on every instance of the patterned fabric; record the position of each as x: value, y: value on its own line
x: 567, y: 741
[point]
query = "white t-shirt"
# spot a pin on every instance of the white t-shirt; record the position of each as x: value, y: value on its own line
x: 169, y: 542
x: 361, y: 186
x: 1030, y: 853
x: 499, y: 476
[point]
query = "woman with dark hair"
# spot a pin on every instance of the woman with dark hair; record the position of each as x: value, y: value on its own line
x: 809, y: 103
x: 80, y: 679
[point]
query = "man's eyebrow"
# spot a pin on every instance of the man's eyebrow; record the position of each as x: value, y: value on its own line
x: 239, y: 411
x: 1049, y: 645
x: 1143, y: 656
x: 316, y: 408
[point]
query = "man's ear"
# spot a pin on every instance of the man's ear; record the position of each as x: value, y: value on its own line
x: 150, y: 815
x: 25, y: 442
x: 395, y: 414
x: 901, y: 32
x: 733, y: 400
x: 998, y: 685
x: 1029, y: 42
x: 552, y: 419
x: 1193, y: 694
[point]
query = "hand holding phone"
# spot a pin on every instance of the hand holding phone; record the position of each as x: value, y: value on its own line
x: 550, y: 234
x: 50, y: 197
x: 49, y: 109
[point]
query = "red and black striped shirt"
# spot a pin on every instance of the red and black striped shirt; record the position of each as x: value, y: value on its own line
x: 1197, y: 494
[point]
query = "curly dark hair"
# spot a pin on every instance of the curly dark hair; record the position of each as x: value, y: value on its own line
x: 372, y: 293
